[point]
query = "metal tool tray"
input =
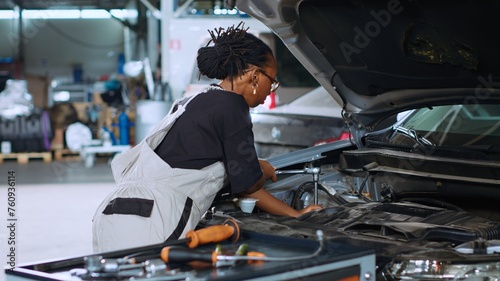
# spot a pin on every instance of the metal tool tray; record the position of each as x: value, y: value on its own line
x: 337, y: 261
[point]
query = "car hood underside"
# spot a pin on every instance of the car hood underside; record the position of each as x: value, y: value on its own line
x: 380, y: 57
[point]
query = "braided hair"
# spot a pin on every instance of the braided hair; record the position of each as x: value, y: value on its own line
x: 232, y: 52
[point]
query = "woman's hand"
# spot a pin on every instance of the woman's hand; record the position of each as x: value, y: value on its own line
x: 310, y: 208
x: 268, y: 170
x: 268, y: 203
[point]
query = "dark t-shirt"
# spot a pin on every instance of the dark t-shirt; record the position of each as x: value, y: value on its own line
x: 216, y: 126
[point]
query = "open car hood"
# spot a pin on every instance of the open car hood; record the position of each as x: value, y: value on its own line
x: 379, y: 57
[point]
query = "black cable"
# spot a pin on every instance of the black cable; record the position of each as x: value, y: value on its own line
x: 298, y: 194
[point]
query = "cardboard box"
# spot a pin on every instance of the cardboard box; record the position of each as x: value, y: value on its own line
x: 81, y: 110
x: 38, y: 87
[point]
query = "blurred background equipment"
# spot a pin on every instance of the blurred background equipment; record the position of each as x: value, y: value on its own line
x: 78, y: 136
x: 23, y: 127
x: 151, y: 110
x: 135, y: 68
x: 15, y: 99
x: 149, y: 113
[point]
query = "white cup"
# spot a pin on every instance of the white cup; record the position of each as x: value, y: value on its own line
x: 247, y: 204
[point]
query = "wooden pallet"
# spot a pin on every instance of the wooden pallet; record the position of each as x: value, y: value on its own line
x: 66, y: 155
x: 24, y: 157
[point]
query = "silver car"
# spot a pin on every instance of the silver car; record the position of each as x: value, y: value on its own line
x: 419, y: 180
x: 312, y: 119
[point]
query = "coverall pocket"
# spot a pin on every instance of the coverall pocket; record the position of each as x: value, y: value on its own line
x: 129, y: 206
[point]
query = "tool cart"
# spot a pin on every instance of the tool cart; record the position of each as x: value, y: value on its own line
x: 249, y: 256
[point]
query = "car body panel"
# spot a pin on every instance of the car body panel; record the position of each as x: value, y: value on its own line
x: 306, y: 121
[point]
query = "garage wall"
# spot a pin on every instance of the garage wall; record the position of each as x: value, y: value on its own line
x: 53, y: 46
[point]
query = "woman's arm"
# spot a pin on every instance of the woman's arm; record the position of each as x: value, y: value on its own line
x: 268, y: 172
x: 269, y: 203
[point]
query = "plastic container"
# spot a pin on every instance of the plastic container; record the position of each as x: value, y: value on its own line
x: 148, y: 114
x: 247, y: 204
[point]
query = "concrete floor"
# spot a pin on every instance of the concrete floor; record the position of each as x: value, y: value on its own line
x: 54, y: 205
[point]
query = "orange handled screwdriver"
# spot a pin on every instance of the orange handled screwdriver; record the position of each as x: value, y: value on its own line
x: 177, y: 254
x: 213, y: 234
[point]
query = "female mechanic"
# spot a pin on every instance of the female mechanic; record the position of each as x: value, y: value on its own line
x: 169, y: 180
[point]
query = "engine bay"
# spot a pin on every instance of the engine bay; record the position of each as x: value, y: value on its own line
x: 396, y: 202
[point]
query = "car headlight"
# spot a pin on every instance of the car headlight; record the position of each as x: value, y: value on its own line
x: 444, y: 265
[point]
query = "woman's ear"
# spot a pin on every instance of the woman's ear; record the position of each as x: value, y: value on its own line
x: 255, y: 75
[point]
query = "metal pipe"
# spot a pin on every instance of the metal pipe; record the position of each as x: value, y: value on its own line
x: 154, y: 11
x: 315, y: 171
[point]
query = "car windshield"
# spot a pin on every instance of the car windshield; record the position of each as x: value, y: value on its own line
x: 472, y: 125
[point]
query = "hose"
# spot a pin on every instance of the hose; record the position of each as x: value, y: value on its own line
x: 319, y: 236
x: 304, y: 188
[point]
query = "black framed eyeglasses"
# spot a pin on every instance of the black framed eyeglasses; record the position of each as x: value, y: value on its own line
x: 274, y: 83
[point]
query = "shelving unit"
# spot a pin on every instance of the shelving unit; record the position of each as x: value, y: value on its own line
x: 77, y: 93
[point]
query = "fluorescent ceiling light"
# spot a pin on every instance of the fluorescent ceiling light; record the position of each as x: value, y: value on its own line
x: 68, y: 14
x: 8, y: 14
x: 123, y: 14
x: 95, y: 14
x: 51, y: 14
